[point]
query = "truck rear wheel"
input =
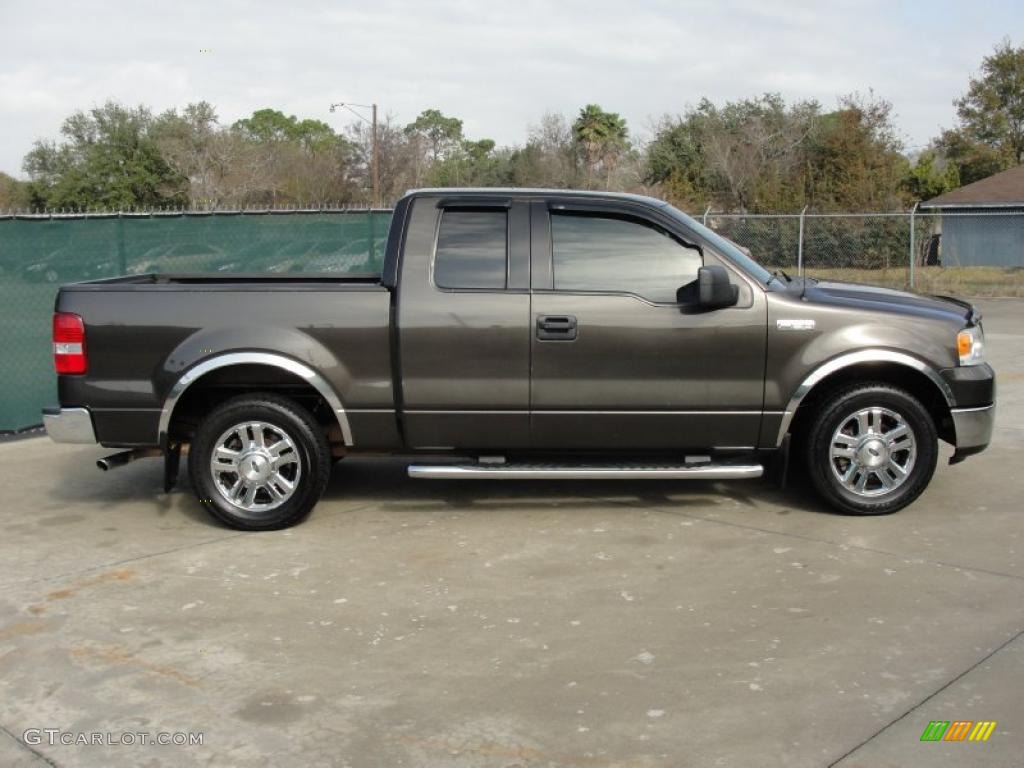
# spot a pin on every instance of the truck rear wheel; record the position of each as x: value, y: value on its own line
x: 872, y: 449
x: 259, y: 462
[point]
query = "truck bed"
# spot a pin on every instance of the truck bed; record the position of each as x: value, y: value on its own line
x: 144, y: 332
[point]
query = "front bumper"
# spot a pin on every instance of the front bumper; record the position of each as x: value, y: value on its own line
x: 69, y: 425
x: 971, y: 385
x: 973, y: 428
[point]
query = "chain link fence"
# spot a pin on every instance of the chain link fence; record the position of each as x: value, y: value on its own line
x: 978, y: 253
x: 970, y: 254
x: 38, y: 253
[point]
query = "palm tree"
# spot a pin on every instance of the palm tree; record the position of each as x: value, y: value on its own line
x: 602, y: 137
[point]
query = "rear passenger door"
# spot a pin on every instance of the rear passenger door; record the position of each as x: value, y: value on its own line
x: 618, y: 363
x: 463, y: 320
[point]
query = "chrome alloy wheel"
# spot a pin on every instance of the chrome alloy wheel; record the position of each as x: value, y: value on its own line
x: 255, y: 466
x: 873, y: 451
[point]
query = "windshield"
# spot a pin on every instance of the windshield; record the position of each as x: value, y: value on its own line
x: 725, y: 246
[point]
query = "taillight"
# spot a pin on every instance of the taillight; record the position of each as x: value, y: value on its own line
x: 69, y: 343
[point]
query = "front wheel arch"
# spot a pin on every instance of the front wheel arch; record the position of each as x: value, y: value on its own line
x: 910, y: 379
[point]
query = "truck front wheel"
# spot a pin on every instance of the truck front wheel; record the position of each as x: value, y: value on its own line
x: 259, y: 462
x: 872, y: 449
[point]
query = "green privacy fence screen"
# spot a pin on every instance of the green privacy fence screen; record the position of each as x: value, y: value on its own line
x: 39, y: 253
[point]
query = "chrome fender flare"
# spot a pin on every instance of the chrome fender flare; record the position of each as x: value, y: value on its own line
x: 304, y: 372
x: 855, y: 358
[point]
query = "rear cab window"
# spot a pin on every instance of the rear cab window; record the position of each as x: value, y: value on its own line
x: 472, y: 250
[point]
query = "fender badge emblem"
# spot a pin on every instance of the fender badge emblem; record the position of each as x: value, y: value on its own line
x: 794, y: 325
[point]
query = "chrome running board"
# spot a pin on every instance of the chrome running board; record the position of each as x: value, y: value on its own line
x: 702, y: 471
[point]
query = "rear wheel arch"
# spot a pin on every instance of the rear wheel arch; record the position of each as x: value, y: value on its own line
x: 297, y: 379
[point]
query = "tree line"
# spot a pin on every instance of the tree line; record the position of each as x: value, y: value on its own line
x: 754, y: 155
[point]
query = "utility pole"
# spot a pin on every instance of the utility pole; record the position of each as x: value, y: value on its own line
x: 375, y: 148
x: 376, y: 162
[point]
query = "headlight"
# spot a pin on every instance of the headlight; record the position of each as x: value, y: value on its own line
x: 970, y: 345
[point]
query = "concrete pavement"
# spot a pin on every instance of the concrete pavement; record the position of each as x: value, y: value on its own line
x: 415, y: 623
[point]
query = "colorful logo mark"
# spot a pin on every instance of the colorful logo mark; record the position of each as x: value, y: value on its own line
x: 958, y: 730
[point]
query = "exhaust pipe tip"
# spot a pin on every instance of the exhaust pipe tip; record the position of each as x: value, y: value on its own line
x: 124, y: 457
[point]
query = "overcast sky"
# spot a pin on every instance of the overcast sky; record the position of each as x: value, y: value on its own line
x: 498, y: 66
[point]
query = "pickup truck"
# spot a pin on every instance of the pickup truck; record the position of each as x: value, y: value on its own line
x: 518, y: 333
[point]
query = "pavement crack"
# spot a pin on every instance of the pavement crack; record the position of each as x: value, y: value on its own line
x: 28, y: 748
x: 116, y: 563
x: 927, y: 698
x: 150, y: 555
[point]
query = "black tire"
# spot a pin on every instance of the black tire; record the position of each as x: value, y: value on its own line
x: 824, y: 468
x: 308, y: 455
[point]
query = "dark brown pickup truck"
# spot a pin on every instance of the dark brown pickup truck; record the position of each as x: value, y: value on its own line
x: 523, y: 334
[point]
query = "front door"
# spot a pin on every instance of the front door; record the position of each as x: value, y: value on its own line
x: 618, y: 364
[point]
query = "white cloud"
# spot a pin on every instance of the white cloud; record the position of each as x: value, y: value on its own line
x: 497, y: 66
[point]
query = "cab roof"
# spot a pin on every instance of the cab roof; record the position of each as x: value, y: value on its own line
x: 536, y: 192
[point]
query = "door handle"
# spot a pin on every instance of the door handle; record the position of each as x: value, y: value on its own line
x: 556, y: 327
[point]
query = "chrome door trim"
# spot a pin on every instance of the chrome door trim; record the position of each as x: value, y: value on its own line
x: 314, y: 379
